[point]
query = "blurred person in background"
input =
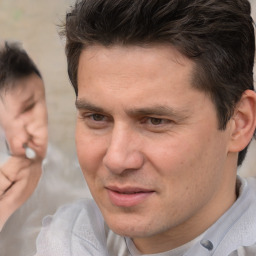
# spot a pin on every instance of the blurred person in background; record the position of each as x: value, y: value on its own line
x: 35, y: 177
x: 23, y: 120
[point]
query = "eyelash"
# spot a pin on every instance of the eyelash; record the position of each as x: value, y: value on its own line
x: 99, y: 121
x: 90, y: 119
x: 155, y: 121
x: 29, y: 108
x: 96, y: 116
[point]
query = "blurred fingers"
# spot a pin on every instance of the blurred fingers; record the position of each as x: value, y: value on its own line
x: 5, y: 183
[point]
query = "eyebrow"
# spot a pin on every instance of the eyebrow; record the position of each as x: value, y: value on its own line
x: 83, y: 104
x: 156, y: 110
x: 28, y: 100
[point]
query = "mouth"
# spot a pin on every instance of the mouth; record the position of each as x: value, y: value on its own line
x: 128, y: 196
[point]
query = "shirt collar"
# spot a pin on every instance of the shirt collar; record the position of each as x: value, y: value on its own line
x: 235, y: 228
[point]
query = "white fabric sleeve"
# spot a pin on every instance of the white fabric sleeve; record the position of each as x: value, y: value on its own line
x: 74, y: 230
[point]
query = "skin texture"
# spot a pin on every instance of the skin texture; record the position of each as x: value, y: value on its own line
x: 23, y: 117
x: 143, y: 128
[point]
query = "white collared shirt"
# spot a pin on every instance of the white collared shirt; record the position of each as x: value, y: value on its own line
x: 79, y: 229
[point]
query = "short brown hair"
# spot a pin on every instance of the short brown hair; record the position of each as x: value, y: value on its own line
x: 218, y: 35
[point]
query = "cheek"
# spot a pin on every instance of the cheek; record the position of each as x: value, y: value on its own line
x: 188, y: 173
x: 186, y: 164
x: 90, y: 151
x: 175, y: 157
x: 44, y: 114
x: 40, y: 113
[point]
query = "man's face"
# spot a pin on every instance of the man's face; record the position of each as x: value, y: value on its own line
x: 23, y: 116
x: 148, y: 144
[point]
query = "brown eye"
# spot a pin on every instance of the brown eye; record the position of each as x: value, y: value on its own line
x: 156, y: 121
x: 97, y: 117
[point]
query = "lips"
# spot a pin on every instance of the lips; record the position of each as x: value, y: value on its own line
x: 129, y: 196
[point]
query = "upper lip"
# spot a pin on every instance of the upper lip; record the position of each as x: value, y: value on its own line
x: 128, y: 189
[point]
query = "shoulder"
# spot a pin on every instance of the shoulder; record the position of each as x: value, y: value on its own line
x: 74, y: 229
x: 68, y: 216
x: 239, y: 223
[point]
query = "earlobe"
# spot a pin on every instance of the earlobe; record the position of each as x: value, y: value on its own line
x: 243, y: 122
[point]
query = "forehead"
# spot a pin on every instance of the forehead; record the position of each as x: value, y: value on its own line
x: 144, y: 71
x: 133, y: 55
x: 22, y: 91
x: 30, y: 84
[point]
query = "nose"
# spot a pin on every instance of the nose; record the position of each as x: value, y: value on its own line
x: 123, y: 152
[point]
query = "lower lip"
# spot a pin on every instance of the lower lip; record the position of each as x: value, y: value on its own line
x: 128, y: 200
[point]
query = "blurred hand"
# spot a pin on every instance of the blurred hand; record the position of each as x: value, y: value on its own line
x: 18, y: 179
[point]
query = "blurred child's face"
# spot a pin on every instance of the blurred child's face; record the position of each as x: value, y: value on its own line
x: 23, y: 116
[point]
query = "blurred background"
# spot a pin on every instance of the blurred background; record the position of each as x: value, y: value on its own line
x: 35, y: 23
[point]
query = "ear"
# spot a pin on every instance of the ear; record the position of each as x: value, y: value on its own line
x: 243, y: 122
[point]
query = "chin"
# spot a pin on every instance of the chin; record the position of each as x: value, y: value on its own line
x: 127, y: 226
